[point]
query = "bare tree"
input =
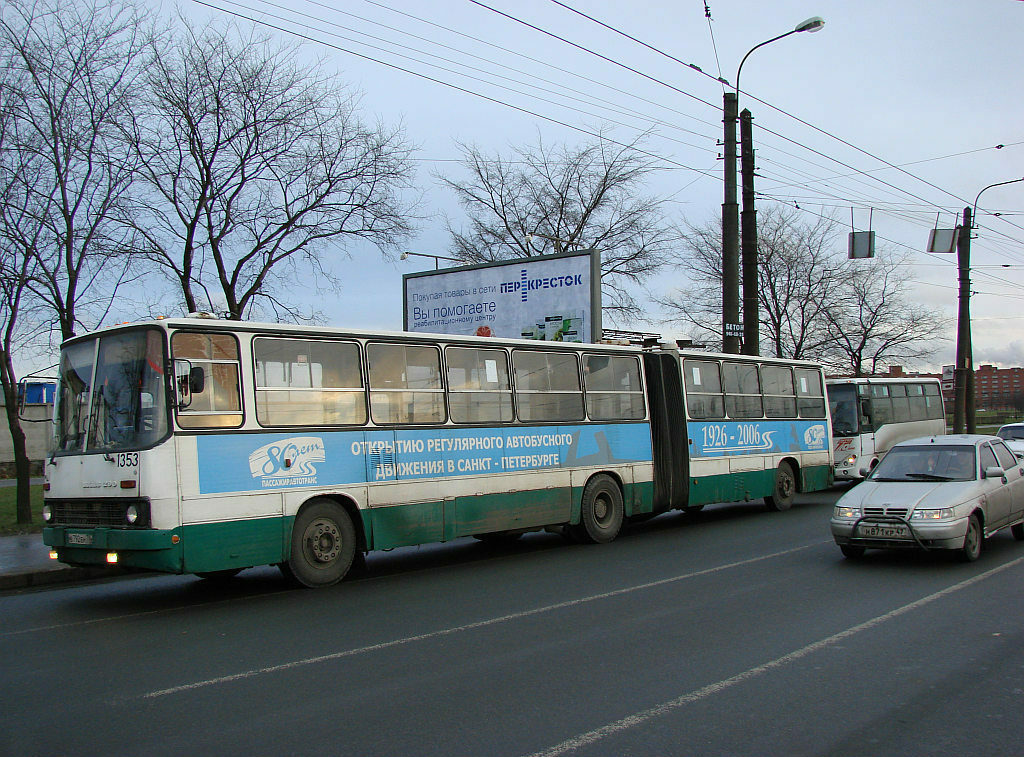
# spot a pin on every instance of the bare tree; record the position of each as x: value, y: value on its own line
x: 252, y: 165
x: 72, y: 71
x: 799, y: 274
x: 815, y: 303
x: 874, y: 324
x: 68, y: 77
x: 545, y: 199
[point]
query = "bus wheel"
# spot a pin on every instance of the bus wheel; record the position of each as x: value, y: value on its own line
x: 323, y: 545
x: 601, y: 512
x: 781, y: 497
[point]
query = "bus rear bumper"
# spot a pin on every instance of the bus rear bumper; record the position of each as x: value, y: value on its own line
x: 149, y: 548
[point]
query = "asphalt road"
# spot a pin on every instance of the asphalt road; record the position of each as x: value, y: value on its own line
x: 735, y: 632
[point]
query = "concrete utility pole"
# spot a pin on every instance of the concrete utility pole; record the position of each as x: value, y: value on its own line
x: 748, y: 233
x: 963, y: 377
x: 731, y: 327
x: 730, y: 234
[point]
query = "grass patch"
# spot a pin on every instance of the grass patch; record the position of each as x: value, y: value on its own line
x: 9, y: 514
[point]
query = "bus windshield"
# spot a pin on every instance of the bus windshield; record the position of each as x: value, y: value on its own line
x: 842, y: 404
x: 111, y: 393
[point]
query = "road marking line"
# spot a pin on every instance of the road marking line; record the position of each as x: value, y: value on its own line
x: 466, y: 627
x: 590, y: 737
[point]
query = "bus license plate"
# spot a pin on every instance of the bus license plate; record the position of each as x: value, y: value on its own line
x: 893, y: 531
x: 82, y: 539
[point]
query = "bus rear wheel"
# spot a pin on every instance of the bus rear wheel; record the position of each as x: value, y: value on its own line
x: 601, y: 511
x: 781, y: 497
x: 323, y: 545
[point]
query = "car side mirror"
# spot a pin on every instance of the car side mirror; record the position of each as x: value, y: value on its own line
x: 865, y: 472
x: 994, y: 471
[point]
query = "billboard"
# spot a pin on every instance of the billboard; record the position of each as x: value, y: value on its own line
x: 549, y: 298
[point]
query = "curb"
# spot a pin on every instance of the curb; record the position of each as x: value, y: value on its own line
x: 54, y: 576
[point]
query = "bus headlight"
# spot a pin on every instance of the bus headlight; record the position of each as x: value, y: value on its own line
x: 131, y: 514
x: 846, y: 512
x: 850, y: 460
x: 47, y: 513
x: 946, y: 512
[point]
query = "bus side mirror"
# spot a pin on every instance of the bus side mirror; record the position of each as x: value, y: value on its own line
x: 189, y: 380
x: 196, y: 380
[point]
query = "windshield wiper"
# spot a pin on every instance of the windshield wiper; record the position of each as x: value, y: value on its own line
x: 929, y: 476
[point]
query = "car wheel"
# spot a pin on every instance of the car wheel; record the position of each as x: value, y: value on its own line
x: 781, y: 497
x: 1018, y: 531
x: 323, y: 544
x: 851, y: 551
x: 971, y: 549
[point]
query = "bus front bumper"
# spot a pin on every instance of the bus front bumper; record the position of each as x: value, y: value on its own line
x: 150, y: 549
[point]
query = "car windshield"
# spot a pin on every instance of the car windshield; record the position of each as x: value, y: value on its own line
x: 842, y: 405
x: 928, y: 462
x: 1011, y: 432
x: 110, y: 393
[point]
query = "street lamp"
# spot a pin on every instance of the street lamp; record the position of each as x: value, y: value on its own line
x: 405, y: 256
x: 731, y: 328
x: 963, y: 376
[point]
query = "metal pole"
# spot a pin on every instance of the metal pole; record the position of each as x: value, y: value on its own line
x: 730, y: 235
x: 748, y: 225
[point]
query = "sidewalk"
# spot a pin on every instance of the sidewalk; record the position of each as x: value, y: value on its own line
x: 25, y: 562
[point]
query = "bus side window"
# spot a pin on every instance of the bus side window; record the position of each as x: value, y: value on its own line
x: 703, y: 387
x: 614, y: 390
x: 742, y: 390
x: 479, y: 388
x: 810, y: 393
x: 547, y: 386
x: 405, y: 383
x: 308, y: 382
x: 216, y: 400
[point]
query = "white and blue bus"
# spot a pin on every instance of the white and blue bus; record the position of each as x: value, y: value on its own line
x: 870, y: 415
x: 196, y: 445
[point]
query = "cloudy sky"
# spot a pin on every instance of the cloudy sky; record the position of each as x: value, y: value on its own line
x: 892, y: 114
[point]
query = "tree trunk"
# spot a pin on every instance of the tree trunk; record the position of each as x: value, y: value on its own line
x: 22, y: 464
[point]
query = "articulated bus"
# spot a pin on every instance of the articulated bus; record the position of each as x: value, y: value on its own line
x: 196, y: 445
x: 870, y: 415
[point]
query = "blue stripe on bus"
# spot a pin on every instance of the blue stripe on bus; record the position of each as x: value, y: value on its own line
x: 756, y: 437
x: 246, y: 462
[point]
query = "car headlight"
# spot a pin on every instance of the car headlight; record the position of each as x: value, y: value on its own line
x: 47, y: 513
x: 843, y: 511
x: 131, y: 514
x: 940, y: 514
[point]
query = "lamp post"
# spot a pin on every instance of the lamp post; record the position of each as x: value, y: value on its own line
x: 405, y: 255
x: 730, y: 221
x: 963, y: 377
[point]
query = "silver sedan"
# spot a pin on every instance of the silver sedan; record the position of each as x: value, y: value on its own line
x: 937, y: 492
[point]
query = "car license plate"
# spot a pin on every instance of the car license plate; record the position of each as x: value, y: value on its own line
x: 887, y: 531
x: 82, y: 539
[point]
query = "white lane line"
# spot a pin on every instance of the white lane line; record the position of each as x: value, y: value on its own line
x: 590, y: 737
x: 466, y: 627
